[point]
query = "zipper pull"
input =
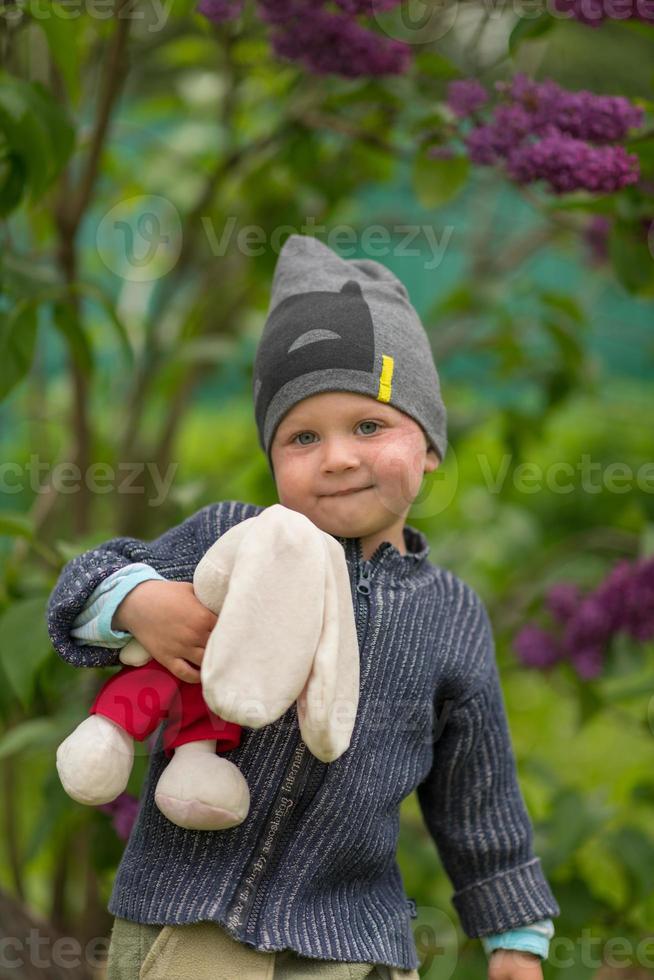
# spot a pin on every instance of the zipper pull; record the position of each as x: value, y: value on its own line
x: 363, y: 582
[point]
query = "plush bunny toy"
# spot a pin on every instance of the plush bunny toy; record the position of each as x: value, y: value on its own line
x: 285, y: 633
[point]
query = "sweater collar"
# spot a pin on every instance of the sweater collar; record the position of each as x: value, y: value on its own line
x: 387, y: 557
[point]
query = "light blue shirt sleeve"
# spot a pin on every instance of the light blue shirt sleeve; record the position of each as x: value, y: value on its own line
x: 93, y: 623
x: 534, y: 938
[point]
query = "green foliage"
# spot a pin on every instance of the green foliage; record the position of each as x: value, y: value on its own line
x: 36, y: 140
x: 239, y: 150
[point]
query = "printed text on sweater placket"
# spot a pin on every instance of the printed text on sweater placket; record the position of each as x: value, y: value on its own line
x: 250, y: 894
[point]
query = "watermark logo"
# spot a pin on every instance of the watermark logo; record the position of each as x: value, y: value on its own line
x: 140, y: 238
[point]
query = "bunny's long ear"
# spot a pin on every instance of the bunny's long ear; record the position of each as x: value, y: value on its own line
x: 211, y: 576
x: 262, y: 647
x: 328, y: 704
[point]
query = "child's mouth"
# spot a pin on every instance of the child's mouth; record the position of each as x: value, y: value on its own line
x: 346, y: 493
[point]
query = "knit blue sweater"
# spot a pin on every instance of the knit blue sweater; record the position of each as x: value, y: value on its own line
x: 313, y: 866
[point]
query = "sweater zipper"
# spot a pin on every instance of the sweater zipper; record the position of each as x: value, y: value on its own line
x: 251, y: 893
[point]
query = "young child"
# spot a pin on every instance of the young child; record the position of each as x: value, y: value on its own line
x: 350, y: 416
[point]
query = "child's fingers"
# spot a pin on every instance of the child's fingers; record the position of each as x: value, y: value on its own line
x: 194, y: 655
x: 184, y: 671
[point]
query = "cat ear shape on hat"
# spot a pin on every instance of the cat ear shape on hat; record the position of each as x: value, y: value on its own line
x: 261, y: 650
x: 328, y: 704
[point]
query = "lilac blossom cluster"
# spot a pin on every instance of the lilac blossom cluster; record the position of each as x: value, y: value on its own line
x: 584, y: 625
x: 323, y: 40
x: 595, y: 12
x: 124, y: 810
x: 540, y: 131
x: 596, y: 237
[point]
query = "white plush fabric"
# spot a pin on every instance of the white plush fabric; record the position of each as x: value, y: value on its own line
x: 285, y: 630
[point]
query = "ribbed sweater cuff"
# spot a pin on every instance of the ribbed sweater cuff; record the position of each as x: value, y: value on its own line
x: 506, y: 900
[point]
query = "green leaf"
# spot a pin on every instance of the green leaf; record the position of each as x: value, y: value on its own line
x: 68, y: 324
x: 25, y: 132
x: 460, y: 299
x: 17, y: 340
x: 574, y: 817
x: 36, y: 128
x: 590, y: 701
x: 636, y: 851
x: 15, y: 525
x: 435, y: 65
x: 93, y: 291
x: 25, y: 644
x: 36, y: 733
x: 647, y: 540
x: 566, y: 304
x: 631, y: 257
x: 572, y: 352
x: 63, y: 37
x: 436, y: 181
x: 13, y: 176
x: 40, y: 285
x: 527, y: 29
x: 583, y: 201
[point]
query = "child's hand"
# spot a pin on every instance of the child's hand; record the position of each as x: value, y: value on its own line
x: 514, y: 964
x: 170, y: 622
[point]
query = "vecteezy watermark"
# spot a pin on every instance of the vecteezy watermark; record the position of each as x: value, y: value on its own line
x: 424, y: 21
x: 563, y: 476
x: 140, y: 238
x: 151, y: 14
x: 375, y: 240
x: 417, y: 21
x: 615, y: 952
x: 66, y: 478
x: 436, y: 940
x: 44, y: 952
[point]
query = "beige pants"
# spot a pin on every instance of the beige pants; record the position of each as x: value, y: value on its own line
x: 205, y: 951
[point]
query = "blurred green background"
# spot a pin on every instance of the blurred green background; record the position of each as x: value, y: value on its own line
x: 130, y: 159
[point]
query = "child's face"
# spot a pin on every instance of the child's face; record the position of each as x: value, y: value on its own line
x: 338, y: 440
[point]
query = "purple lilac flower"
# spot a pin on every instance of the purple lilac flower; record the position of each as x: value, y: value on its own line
x: 366, y: 7
x: 562, y: 599
x: 536, y: 647
x: 569, y: 164
x: 623, y: 601
x: 540, y: 131
x: 124, y: 810
x: 328, y: 42
x: 596, y: 235
x: 591, y: 624
x: 465, y: 95
x: 219, y: 11
x: 639, y: 612
x: 583, y: 114
x: 588, y: 662
x: 613, y: 594
x: 491, y: 142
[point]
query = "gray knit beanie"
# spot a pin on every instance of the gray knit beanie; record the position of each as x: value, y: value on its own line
x: 338, y: 324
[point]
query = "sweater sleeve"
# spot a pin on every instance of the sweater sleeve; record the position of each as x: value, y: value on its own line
x: 93, y: 624
x: 174, y: 555
x: 474, y: 810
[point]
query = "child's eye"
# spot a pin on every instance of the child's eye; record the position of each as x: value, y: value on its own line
x: 308, y: 433
x: 370, y: 422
